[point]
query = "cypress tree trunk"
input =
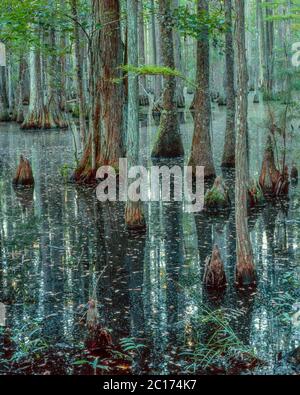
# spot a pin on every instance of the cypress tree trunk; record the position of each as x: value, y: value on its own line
x: 20, y: 93
x: 134, y: 216
x: 79, y: 80
x: 180, y: 99
x: 245, y: 270
x: 43, y: 112
x: 35, y: 115
x: 105, y: 143
x: 168, y: 143
x: 143, y: 98
x: 269, y: 53
x: 229, y: 146
x: 155, y: 54
x: 53, y: 114
x: 62, y: 62
x: 201, y: 154
x: 4, y: 105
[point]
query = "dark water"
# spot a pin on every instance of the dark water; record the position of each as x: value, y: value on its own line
x: 56, y: 242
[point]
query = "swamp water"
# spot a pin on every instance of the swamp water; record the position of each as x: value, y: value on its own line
x: 60, y: 247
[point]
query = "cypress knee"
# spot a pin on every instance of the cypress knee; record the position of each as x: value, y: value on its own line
x: 24, y: 176
x: 214, y: 275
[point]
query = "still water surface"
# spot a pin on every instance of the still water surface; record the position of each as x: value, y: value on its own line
x: 56, y: 241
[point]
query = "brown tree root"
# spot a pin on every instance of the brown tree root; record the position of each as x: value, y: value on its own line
x: 255, y: 195
x: 24, y: 176
x: 245, y: 274
x: 272, y: 182
x: 134, y: 217
x: 214, y: 275
x: 43, y: 119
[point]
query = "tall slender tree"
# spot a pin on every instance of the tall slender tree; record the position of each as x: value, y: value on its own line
x: 245, y: 270
x: 79, y: 71
x: 143, y: 97
x: 134, y: 216
x: 201, y: 153
x: 228, y: 159
x: 105, y: 143
x: 168, y: 143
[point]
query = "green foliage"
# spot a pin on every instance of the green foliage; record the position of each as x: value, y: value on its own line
x: 28, y: 341
x: 65, y: 172
x: 221, y: 346
x: 190, y: 22
x: 214, y: 196
x: 130, y: 344
x: 94, y: 363
x: 151, y: 70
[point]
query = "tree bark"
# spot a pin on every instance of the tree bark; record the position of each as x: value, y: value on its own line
x: 180, y: 99
x: 4, y: 106
x: 245, y: 270
x: 134, y: 216
x: 201, y: 154
x: 78, y: 66
x: 53, y: 114
x: 35, y: 115
x: 155, y: 54
x: 105, y: 143
x: 143, y: 97
x: 168, y: 143
x: 20, y: 91
x: 229, y: 146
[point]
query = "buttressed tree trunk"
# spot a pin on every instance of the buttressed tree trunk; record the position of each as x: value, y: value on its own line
x: 134, y: 216
x: 53, y: 114
x: 35, y: 115
x: 24, y: 176
x: 201, y: 154
x: 168, y: 143
x: 214, y: 275
x: 245, y: 270
x: 105, y: 144
x: 229, y: 146
x: 43, y: 113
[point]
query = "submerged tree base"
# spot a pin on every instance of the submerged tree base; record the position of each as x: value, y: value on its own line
x: 134, y: 217
x: 42, y: 118
x: 4, y: 116
x: 24, y: 176
x: 217, y: 198
x: 245, y: 275
x: 214, y: 275
x: 168, y: 143
x: 229, y: 162
x: 272, y: 181
x: 255, y: 195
